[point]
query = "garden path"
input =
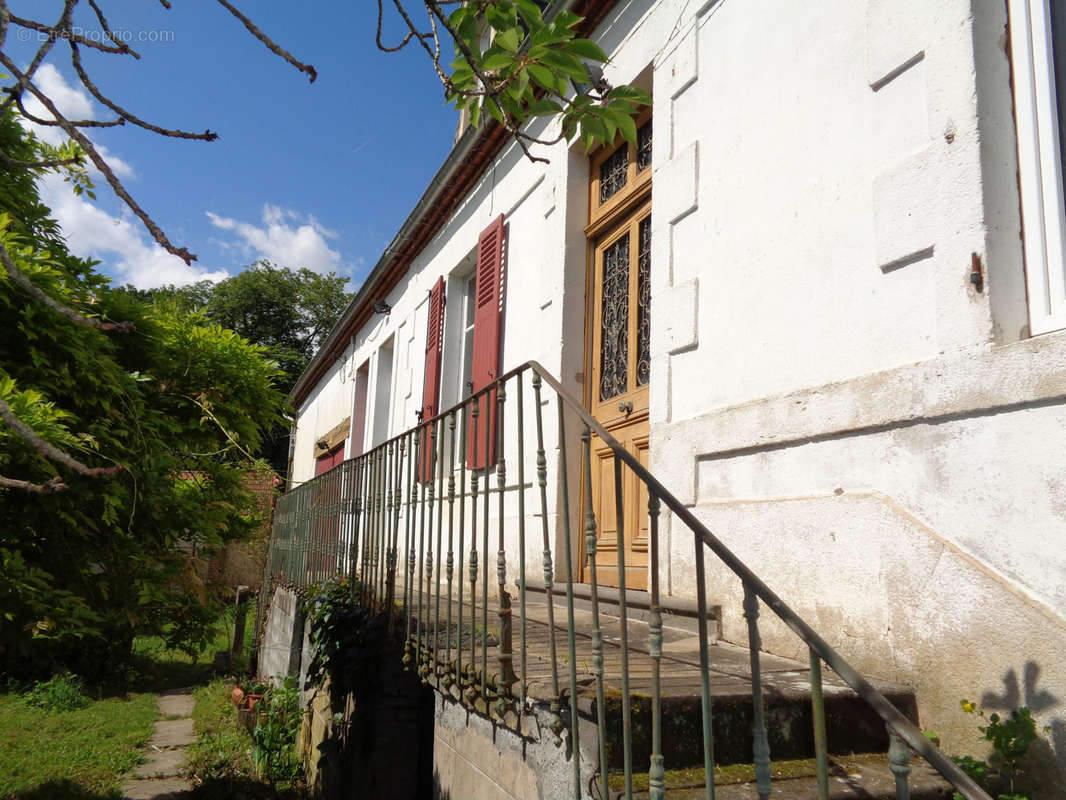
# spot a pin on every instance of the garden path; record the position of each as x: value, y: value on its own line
x: 160, y: 776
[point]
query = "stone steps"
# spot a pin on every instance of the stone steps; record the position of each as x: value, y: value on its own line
x: 862, y: 777
x: 159, y: 777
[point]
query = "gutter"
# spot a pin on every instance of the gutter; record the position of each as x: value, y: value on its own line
x: 464, y: 166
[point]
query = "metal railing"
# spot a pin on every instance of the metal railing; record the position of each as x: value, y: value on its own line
x: 399, y: 519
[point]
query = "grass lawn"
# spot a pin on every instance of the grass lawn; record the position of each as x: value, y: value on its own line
x: 85, y: 754
x: 50, y: 754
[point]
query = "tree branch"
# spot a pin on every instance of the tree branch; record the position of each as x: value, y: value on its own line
x: 48, y: 451
x: 19, y: 277
x: 48, y: 164
x: 98, y: 160
x: 107, y: 29
x: 270, y: 44
x: 75, y: 60
x: 50, y: 486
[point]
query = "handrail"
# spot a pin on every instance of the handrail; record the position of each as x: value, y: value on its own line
x: 862, y: 687
x: 370, y: 491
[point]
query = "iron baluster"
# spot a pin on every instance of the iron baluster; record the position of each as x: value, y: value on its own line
x: 429, y: 653
x: 439, y: 428
x: 450, y: 564
x: 569, y: 566
x: 521, y: 551
x: 472, y: 691
x: 487, y: 397
x: 760, y: 745
x: 656, y: 771
x: 462, y: 528
x: 627, y: 721
x: 899, y: 761
x: 390, y: 589
x: 705, y: 673
x: 818, y: 719
x: 505, y: 653
x: 409, y: 549
x: 542, y: 483
x: 421, y: 557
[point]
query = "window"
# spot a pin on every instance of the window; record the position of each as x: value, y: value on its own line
x: 1038, y: 49
x: 362, y: 381
x: 466, y: 383
x: 474, y: 347
x: 328, y: 461
x: 383, y: 392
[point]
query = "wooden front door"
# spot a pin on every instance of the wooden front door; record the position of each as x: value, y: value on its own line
x: 620, y: 373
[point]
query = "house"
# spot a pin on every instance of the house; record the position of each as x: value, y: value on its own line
x: 823, y: 299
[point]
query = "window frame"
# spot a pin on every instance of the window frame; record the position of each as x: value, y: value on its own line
x: 1040, y: 163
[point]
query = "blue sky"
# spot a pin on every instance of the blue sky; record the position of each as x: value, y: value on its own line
x: 318, y: 175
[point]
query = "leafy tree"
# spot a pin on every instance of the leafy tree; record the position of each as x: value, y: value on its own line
x: 123, y: 448
x: 123, y: 421
x: 288, y: 312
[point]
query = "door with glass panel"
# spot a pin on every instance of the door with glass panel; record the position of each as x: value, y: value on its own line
x: 618, y: 350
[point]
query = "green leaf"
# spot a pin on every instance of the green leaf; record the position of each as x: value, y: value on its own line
x: 499, y: 16
x: 586, y: 48
x: 565, y: 63
x: 509, y: 39
x: 494, y: 110
x: 530, y: 13
x: 628, y: 127
x: 587, y: 138
x: 567, y: 19
x: 546, y: 79
x: 631, y: 93
x: 543, y: 108
x: 497, y: 61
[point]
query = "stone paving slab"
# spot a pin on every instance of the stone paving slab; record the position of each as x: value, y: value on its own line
x: 161, y: 764
x: 156, y: 789
x: 175, y: 704
x: 173, y: 733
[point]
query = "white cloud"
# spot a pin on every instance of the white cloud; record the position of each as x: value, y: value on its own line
x: 287, y: 238
x: 74, y: 103
x: 92, y: 232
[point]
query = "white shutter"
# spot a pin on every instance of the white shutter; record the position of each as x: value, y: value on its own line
x: 1039, y: 163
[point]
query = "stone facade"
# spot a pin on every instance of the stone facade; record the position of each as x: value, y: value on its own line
x: 844, y: 386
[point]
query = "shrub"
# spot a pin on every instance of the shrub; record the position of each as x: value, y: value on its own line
x: 274, y: 737
x: 61, y: 692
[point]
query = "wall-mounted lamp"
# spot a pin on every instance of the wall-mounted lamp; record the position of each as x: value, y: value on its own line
x: 381, y: 307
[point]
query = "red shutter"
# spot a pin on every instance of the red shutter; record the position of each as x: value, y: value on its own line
x: 431, y: 385
x: 328, y: 461
x: 488, y: 316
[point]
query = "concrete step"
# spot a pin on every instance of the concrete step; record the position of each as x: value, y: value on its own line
x: 856, y: 777
x: 851, y: 725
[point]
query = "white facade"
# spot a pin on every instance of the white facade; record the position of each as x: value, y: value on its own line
x: 845, y: 382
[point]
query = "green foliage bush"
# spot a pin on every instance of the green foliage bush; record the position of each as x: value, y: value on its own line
x: 1002, y: 773
x: 62, y: 692
x: 180, y: 405
x: 346, y: 641
x: 276, y: 731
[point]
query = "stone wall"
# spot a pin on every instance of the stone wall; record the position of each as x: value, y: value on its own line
x: 275, y: 646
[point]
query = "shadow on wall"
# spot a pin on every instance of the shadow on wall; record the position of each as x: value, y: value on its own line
x: 1046, y: 760
x: 439, y: 793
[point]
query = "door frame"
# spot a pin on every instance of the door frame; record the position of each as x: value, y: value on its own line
x: 605, y: 220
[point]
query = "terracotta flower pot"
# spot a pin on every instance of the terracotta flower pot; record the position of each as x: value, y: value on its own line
x: 251, y: 699
x: 237, y: 695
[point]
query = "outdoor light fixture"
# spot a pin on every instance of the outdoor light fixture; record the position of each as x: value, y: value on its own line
x: 381, y: 307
